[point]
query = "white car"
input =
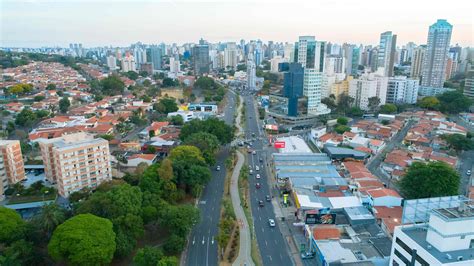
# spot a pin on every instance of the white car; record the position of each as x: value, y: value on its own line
x: 251, y: 172
x: 468, y: 172
x: 258, y: 176
x: 254, y: 152
x: 271, y: 222
x: 218, y: 168
x: 257, y: 168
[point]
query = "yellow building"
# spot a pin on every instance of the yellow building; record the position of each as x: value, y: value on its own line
x: 341, y: 87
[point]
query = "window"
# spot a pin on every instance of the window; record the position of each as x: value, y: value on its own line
x: 401, y: 257
x: 404, y: 246
x: 394, y: 263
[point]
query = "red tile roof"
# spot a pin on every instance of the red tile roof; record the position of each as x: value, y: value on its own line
x: 326, y: 231
x: 383, y: 192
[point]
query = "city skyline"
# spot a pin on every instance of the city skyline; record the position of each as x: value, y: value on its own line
x: 125, y: 22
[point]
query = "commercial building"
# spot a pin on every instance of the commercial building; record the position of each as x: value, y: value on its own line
x: 12, y: 169
x: 310, y: 54
x: 275, y: 61
x: 175, y: 65
x: 155, y: 56
x: 417, y: 61
x: 436, y: 55
x: 401, y: 89
x: 251, y: 75
x: 447, y: 238
x: 76, y: 161
x: 386, y: 52
x: 292, y: 85
x: 111, y: 62
x: 201, y: 58
x: 367, y: 86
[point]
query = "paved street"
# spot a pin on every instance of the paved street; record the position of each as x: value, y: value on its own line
x: 272, y: 245
x: 374, y: 164
x: 202, y: 245
x: 466, y: 162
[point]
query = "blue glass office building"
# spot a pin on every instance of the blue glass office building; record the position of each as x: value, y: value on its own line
x: 292, y: 85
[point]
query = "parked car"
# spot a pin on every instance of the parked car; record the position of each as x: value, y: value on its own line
x: 257, y: 185
x: 307, y: 255
x: 271, y: 222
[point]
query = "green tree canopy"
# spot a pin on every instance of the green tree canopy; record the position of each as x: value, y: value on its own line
x: 20, y: 89
x: 169, y: 82
x: 374, y: 103
x: 458, y: 142
x: 84, y: 239
x: 429, y: 102
x: 64, y: 105
x: 342, y: 121
x: 453, y: 102
x: 166, y: 105
x: 11, y: 224
x: 26, y: 118
x: 217, y: 127
x: 147, y: 256
x: 434, y: 179
x: 131, y: 75
x: 388, y: 108
x: 207, y: 143
x: 112, y: 85
x: 341, y: 129
x: 177, y: 120
x: 49, y: 218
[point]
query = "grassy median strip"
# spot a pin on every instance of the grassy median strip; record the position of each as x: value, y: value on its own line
x: 244, y: 194
x: 228, y: 236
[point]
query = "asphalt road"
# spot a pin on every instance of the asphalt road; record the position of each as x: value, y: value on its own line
x: 273, y: 248
x: 466, y: 163
x: 202, y: 245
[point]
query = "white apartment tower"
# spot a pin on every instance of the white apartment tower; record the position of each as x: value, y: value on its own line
x: 111, y: 62
x: 417, y: 61
x: 401, y: 89
x: 251, y: 75
x: 367, y: 86
x: 230, y: 55
x: 387, y: 52
x: 128, y: 64
x: 76, y: 161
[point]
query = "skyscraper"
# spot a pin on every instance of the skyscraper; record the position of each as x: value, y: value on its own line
x: 436, y: 56
x: 469, y: 84
x: 155, y: 57
x: 201, y: 58
x: 251, y: 75
x: 417, y: 61
x: 230, y: 55
x: 310, y: 54
x: 111, y: 62
x: 292, y: 85
x: 386, y: 52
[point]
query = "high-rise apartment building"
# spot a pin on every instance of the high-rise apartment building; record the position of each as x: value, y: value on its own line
x: 76, y: 161
x: 289, y: 52
x: 401, y: 89
x: 12, y: 169
x: 436, y: 55
x: 174, y: 64
x: 417, y: 61
x: 128, y: 63
x: 368, y: 86
x: 230, y: 55
x: 310, y: 54
x: 201, y: 58
x: 111, y: 62
x: 155, y: 57
x: 251, y: 75
x: 275, y: 61
x: 387, y: 52
x: 341, y: 87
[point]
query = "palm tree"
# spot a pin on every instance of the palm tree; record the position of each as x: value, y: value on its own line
x: 50, y: 217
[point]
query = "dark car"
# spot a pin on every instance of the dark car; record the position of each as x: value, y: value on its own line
x: 257, y: 185
x: 260, y: 159
x: 268, y: 198
x: 307, y: 255
x: 260, y: 203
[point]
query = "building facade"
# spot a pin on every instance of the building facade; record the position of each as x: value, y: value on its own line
x: 12, y: 169
x: 469, y: 84
x: 386, y: 52
x: 230, y: 55
x: 401, y: 89
x: 436, y: 55
x: 417, y: 61
x: 293, y: 76
x: 368, y: 86
x: 251, y: 75
x: 76, y: 161
x: 201, y: 58
x: 155, y: 56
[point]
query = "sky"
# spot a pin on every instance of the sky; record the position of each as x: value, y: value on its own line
x: 38, y: 23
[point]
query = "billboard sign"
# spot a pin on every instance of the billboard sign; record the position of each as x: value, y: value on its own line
x: 313, y: 218
x: 279, y: 144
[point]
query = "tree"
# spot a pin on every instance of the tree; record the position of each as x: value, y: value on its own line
x: 20, y: 89
x: 330, y: 103
x: 131, y: 75
x: 64, y: 105
x: 42, y: 113
x: 458, y: 142
x: 169, y: 82
x: 51, y: 87
x: 345, y: 102
x: 219, y: 128
x: 175, y: 244
x: 49, y: 218
x: 148, y: 256
x: 112, y: 85
x: 355, y: 112
x: 21, y: 252
x: 385, y: 122
x: 241, y: 67
x: 429, y: 102
x: 11, y: 224
x: 342, y: 121
x: 207, y: 143
x: 341, y: 129
x: 38, y: 98
x: 434, y: 179
x: 374, y: 103
x: 84, y: 239
x: 388, y: 108
x: 177, y: 120
x: 26, y: 118
x: 453, y: 102
x: 168, y: 261
x: 166, y: 105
